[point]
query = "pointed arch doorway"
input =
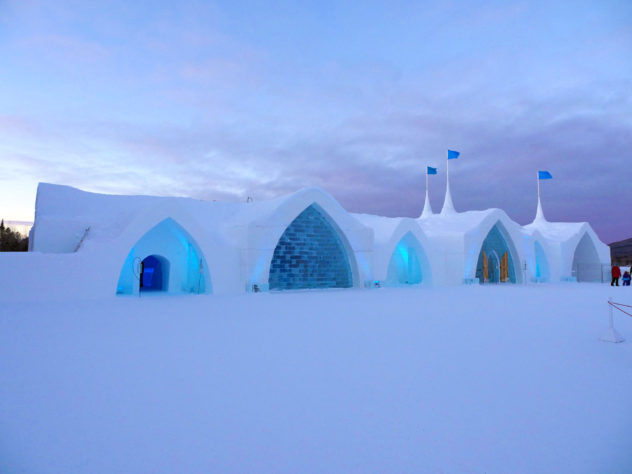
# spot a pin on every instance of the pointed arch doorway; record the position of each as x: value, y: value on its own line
x: 495, y: 261
x: 165, y: 259
x: 312, y: 253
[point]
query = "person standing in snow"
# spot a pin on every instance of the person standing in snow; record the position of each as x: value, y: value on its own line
x: 626, y: 279
x: 616, y: 273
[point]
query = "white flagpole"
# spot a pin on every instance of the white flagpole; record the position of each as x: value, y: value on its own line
x: 448, y: 207
x: 447, y: 179
x: 539, y: 215
x: 426, y: 179
x: 427, y: 211
x: 447, y: 172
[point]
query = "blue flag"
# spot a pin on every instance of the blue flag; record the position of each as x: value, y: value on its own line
x: 432, y: 170
x: 453, y: 155
x: 544, y: 175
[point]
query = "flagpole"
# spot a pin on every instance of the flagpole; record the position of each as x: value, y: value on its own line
x: 448, y: 207
x: 539, y: 215
x: 427, y: 211
x: 447, y: 177
x: 426, y: 179
x: 447, y: 173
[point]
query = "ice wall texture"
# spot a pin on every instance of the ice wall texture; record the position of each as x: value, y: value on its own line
x: 310, y: 254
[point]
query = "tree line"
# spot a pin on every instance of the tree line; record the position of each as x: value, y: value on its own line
x: 12, y: 241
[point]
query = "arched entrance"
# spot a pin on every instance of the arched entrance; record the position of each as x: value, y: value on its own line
x: 495, y: 260
x: 165, y: 259
x: 310, y: 254
x: 404, y: 267
x: 154, y: 274
x: 586, y: 264
x: 491, y: 266
x: 542, y: 270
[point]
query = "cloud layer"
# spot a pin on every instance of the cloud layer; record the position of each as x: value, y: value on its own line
x: 210, y: 102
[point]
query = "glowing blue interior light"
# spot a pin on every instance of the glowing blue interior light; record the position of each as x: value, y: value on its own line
x: 154, y: 273
x: 171, y: 259
x: 148, y: 278
x: 404, y: 266
x: 542, y: 271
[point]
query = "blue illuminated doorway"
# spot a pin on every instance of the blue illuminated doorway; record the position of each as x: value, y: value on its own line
x: 154, y: 274
x: 542, y: 272
x: 405, y: 264
x: 173, y: 261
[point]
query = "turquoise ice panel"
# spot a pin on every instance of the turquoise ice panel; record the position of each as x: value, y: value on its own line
x: 310, y: 254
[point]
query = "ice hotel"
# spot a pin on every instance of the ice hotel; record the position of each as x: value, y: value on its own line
x: 130, y: 245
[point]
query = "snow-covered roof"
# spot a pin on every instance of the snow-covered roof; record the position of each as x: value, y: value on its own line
x: 383, y: 227
x: 556, y: 231
x: 461, y: 222
x: 63, y: 214
x: 108, y: 215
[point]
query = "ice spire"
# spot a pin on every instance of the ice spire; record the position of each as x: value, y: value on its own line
x: 448, y: 207
x: 427, y: 212
x: 539, y: 215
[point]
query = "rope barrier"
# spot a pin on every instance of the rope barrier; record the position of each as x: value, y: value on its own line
x: 612, y: 335
x: 621, y: 304
x: 616, y: 305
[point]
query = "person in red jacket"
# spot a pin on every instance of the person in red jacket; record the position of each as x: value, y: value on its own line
x: 616, y: 274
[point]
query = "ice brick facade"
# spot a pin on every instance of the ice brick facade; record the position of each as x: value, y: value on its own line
x: 310, y: 254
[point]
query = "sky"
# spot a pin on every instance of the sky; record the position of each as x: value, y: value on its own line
x: 226, y: 100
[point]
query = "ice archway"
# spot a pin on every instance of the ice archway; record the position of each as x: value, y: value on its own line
x: 172, y: 255
x: 496, y: 260
x: 586, y: 263
x: 405, y: 265
x: 311, y: 253
x: 542, y: 268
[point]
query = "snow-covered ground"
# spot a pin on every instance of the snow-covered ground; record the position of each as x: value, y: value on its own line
x: 496, y: 379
